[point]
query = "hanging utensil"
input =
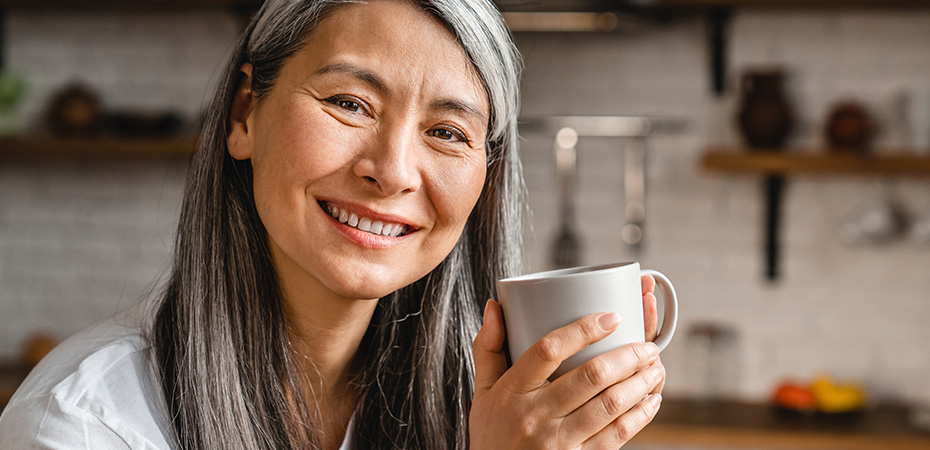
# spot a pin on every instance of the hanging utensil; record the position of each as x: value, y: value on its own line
x: 634, y: 188
x: 566, y: 250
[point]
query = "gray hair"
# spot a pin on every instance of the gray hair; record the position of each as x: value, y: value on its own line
x: 221, y: 349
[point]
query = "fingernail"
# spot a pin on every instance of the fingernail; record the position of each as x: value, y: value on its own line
x: 656, y: 399
x: 608, y: 321
x: 486, y: 305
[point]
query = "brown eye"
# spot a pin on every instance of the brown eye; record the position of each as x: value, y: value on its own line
x: 443, y: 134
x: 448, y: 135
x: 348, y: 105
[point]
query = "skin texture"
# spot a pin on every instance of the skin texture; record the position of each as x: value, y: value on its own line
x: 381, y: 114
x: 600, y: 405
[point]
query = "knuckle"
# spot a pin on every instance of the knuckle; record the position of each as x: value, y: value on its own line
x: 639, y: 352
x: 548, y: 349
x: 653, y: 375
x: 589, y: 328
x: 624, y: 429
x: 597, y: 372
x: 650, y: 377
x: 526, y: 426
x: 613, y: 401
x: 660, y: 373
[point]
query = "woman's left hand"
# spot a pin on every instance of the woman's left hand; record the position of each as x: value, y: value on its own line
x: 511, y: 411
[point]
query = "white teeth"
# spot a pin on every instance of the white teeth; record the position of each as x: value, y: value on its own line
x: 376, y: 227
x: 365, y: 224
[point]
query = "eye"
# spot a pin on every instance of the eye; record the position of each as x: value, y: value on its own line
x: 448, y: 134
x: 348, y: 103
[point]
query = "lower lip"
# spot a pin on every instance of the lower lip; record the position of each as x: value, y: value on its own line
x: 364, y: 238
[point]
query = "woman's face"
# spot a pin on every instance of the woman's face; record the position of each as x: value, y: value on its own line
x: 369, y: 152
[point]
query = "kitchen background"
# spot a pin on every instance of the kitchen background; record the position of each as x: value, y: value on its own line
x: 81, y: 239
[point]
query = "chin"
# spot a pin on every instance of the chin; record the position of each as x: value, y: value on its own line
x: 369, y: 289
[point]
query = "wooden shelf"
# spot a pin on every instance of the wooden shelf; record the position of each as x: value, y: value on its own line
x: 743, y: 425
x: 792, y: 162
x: 51, y: 148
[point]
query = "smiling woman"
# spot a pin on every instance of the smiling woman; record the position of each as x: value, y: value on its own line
x: 356, y: 195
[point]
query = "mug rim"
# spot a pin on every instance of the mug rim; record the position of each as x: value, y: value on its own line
x: 570, y: 272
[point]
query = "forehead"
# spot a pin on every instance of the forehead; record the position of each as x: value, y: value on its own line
x: 398, y: 41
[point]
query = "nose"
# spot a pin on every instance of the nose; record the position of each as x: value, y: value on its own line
x: 389, y: 164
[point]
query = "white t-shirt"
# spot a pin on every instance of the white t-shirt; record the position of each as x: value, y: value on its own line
x: 95, y: 391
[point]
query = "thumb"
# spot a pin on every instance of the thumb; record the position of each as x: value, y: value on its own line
x: 490, y: 360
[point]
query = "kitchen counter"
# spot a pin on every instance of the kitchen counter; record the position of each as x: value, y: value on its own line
x: 730, y: 425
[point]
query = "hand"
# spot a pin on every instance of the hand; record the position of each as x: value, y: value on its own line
x: 600, y: 405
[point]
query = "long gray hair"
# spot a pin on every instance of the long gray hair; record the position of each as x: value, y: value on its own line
x: 228, y: 371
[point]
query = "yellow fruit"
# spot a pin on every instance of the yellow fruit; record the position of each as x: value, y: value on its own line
x: 831, y: 398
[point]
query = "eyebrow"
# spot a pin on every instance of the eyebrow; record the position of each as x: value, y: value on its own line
x: 458, y: 105
x: 376, y: 82
x: 357, y: 72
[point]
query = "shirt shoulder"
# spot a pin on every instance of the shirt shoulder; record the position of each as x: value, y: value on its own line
x: 95, y: 390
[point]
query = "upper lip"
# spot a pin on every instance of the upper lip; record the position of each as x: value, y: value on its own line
x: 362, y: 211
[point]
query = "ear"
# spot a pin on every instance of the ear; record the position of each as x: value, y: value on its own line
x: 239, y: 140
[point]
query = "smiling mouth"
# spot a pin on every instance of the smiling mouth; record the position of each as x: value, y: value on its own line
x: 376, y: 227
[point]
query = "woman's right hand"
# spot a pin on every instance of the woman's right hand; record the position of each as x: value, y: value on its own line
x: 600, y: 405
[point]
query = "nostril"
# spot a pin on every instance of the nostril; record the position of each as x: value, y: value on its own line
x: 371, y: 179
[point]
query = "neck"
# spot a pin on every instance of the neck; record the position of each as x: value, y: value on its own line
x: 326, y: 334
x: 326, y: 331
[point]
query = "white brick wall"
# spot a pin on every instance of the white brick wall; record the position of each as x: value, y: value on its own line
x: 77, y: 242
x: 80, y: 241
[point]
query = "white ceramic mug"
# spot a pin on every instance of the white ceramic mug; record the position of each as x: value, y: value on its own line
x: 539, y: 303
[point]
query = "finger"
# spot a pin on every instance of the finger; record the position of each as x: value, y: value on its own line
x: 649, y: 284
x: 576, y: 388
x: 626, y: 426
x: 650, y: 317
x: 616, y: 400
x: 490, y: 360
x: 658, y: 389
x: 540, y: 361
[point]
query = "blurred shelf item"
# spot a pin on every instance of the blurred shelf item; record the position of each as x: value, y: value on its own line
x: 794, y: 162
x: 726, y: 425
x: 50, y: 148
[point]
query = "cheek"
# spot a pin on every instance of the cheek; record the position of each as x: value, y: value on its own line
x: 459, y: 187
x: 294, y: 150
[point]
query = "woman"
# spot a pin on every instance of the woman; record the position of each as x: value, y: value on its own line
x: 356, y: 195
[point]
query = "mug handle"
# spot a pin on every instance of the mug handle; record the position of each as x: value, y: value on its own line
x: 670, y: 318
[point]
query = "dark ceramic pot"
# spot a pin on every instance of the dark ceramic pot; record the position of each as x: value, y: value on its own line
x: 849, y: 129
x: 765, y: 117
